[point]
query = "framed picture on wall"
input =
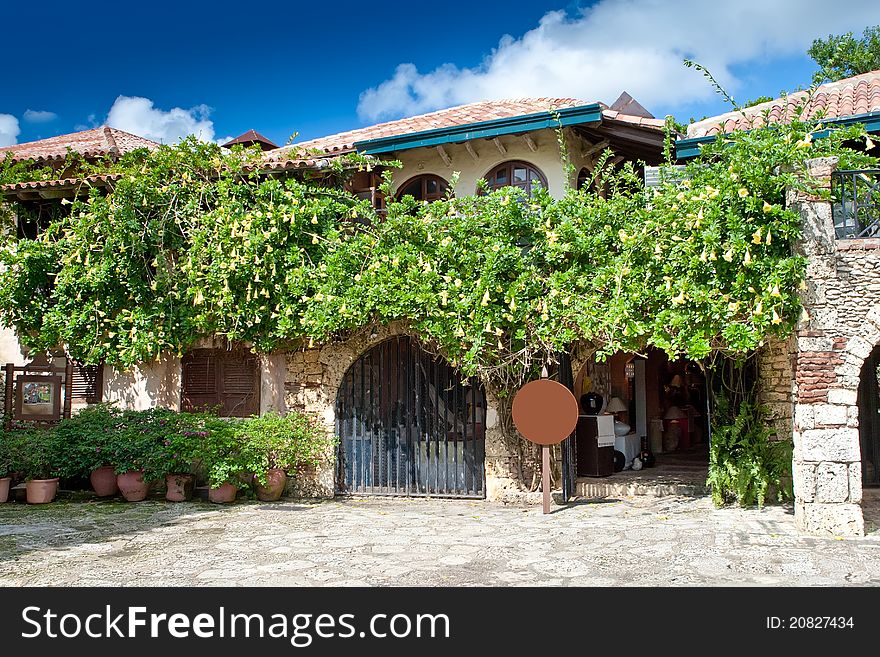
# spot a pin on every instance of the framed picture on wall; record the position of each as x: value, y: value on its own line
x: 38, y: 397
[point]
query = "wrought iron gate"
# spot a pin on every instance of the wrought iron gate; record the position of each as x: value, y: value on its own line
x: 569, y: 456
x: 408, y: 425
x: 869, y: 421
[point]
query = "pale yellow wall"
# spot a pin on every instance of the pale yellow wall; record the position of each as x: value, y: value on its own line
x: 10, y: 350
x: 273, y: 372
x: 148, y: 386
x: 547, y: 159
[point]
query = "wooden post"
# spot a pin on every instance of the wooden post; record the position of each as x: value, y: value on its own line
x: 10, y: 391
x: 68, y: 388
x: 545, y: 476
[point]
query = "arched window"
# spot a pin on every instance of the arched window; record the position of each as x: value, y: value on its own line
x: 516, y: 174
x: 584, y: 178
x: 426, y: 187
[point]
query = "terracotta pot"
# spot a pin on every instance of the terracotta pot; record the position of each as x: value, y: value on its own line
x: 4, y: 488
x: 41, y: 491
x: 222, y: 495
x: 179, y: 487
x: 274, y: 488
x: 132, y: 486
x: 104, y: 481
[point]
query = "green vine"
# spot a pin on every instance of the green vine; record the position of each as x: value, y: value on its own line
x: 192, y: 241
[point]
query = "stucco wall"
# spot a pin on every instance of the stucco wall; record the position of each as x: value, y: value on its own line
x: 10, y: 350
x: 546, y: 158
x: 147, y: 386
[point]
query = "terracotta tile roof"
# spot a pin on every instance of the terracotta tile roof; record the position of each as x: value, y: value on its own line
x: 64, y: 183
x: 640, y: 121
x: 343, y: 142
x: 89, y: 143
x: 847, y: 97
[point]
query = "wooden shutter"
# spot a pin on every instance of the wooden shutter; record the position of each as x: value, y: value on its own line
x: 227, y: 382
x: 199, y: 385
x: 88, y: 382
x: 240, y: 385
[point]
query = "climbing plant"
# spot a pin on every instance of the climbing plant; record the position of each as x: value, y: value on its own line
x: 191, y: 241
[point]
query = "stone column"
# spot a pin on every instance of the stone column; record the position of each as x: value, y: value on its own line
x: 827, y: 459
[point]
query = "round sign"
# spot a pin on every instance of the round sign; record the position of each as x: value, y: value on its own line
x: 545, y: 412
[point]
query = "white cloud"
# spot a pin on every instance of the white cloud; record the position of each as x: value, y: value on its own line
x: 9, y: 129
x: 39, y: 116
x: 616, y: 45
x: 138, y: 116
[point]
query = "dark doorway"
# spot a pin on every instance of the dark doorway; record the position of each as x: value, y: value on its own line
x: 409, y: 425
x: 869, y: 422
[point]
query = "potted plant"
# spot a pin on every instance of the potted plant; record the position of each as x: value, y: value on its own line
x: 86, y: 438
x: 279, y: 444
x: 8, y: 449
x: 181, y: 444
x: 137, y: 454
x: 39, y: 463
x: 225, y: 460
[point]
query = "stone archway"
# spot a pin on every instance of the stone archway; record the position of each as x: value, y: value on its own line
x: 828, y: 451
x: 409, y: 424
x: 869, y: 420
x: 312, y: 382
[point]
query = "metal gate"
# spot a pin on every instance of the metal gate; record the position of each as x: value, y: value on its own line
x: 408, y: 425
x: 569, y: 454
x: 869, y: 422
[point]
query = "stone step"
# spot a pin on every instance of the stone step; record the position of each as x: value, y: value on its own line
x: 591, y: 488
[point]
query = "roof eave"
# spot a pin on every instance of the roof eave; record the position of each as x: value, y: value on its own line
x: 483, y: 129
x: 686, y: 149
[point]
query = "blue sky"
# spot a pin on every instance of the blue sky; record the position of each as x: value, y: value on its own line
x: 220, y: 68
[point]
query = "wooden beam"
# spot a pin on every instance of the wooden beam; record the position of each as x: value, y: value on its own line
x: 595, y: 148
x: 444, y: 156
x: 57, y: 193
x: 530, y: 143
x: 499, y: 145
x: 471, y: 151
x: 618, y: 159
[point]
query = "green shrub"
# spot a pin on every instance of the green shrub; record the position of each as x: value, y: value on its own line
x: 85, y: 440
x: 285, y: 442
x: 225, y: 459
x: 745, y: 465
x: 36, y: 453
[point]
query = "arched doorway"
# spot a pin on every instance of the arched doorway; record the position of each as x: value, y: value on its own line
x: 409, y: 425
x: 869, y: 421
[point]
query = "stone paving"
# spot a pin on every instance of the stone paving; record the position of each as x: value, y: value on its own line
x: 410, y: 542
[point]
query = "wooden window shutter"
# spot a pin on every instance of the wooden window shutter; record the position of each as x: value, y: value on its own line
x: 240, y: 384
x: 227, y: 382
x: 88, y: 383
x: 199, y: 385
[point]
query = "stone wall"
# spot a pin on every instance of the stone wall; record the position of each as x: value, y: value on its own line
x: 776, y: 383
x: 839, y: 328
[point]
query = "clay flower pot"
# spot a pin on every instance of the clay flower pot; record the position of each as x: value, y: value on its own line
x: 104, y: 481
x: 4, y: 488
x: 179, y: 487
x: 274, y: 488
x: 223, y: 494
x: 41, y: 491
x: 132, y: 486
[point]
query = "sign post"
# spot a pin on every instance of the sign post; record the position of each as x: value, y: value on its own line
x: 545, y: 412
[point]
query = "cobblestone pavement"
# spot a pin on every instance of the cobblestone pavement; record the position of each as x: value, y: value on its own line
x: 636, y: 541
